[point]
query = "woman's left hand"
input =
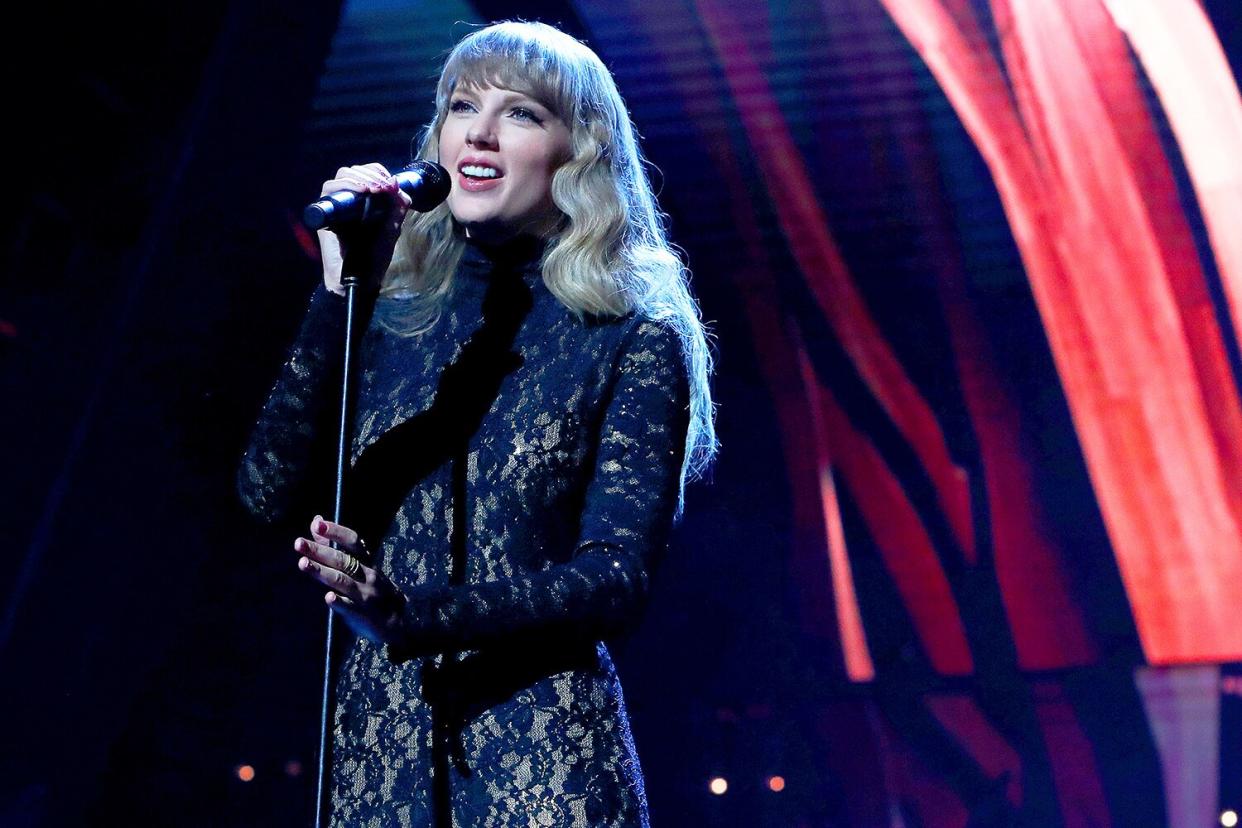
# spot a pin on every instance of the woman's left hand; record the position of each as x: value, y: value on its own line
x: 363, y: 596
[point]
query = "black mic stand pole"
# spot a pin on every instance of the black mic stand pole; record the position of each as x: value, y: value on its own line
x: 427, y: 184
x: 351, y: 284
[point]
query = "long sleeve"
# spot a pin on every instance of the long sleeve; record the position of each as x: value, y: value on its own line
x: 628, y: 511
x: 287, y: 438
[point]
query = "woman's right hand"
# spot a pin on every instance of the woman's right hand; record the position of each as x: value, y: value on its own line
x: 369, y: 247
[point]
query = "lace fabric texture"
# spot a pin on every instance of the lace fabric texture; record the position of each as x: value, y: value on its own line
x: 516, y: 470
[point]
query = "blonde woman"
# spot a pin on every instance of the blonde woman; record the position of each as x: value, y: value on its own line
x: 533, y: 397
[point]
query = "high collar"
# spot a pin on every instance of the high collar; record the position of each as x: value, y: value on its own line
x: 522, y: 255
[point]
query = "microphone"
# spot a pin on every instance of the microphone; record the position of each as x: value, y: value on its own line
x: 425, y: 182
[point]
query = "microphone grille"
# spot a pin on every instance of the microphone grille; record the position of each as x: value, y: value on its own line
x: 427, y: 183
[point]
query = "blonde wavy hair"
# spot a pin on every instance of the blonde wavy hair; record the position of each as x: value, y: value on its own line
x: 609, y: 254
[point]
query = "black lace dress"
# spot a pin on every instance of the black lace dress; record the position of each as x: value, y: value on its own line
x: 516, y: 471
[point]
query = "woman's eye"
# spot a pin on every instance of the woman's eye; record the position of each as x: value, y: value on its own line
x: 460, y: 106
x: 524, y: 114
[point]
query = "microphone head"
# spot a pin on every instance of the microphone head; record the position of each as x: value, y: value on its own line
x: 315, y: 216
x: 426, y: 183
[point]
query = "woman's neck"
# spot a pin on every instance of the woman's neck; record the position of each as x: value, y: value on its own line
x: 515, y: 251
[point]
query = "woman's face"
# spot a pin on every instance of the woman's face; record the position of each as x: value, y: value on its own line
x: 501, y: 148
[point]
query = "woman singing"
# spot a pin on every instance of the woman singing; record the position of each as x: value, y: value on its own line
x: 533, y: 395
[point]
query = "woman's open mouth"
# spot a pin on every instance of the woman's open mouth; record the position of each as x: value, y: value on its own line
x: 476, y: 178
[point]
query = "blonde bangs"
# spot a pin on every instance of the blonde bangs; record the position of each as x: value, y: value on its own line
x: 517, y: 61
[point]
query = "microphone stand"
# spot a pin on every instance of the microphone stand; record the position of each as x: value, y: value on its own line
x: 427, y: 184
x: 351, y: 283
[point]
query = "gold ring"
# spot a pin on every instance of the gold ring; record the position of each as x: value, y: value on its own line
x: 351, y: 566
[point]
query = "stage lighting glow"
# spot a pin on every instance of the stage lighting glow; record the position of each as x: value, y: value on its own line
x: 245, y: 773
x: 718, y: 785
x: 776, y: 784
x: 1228, y: 818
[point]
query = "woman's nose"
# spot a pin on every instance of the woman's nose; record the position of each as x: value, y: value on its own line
x: 482, y: 133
